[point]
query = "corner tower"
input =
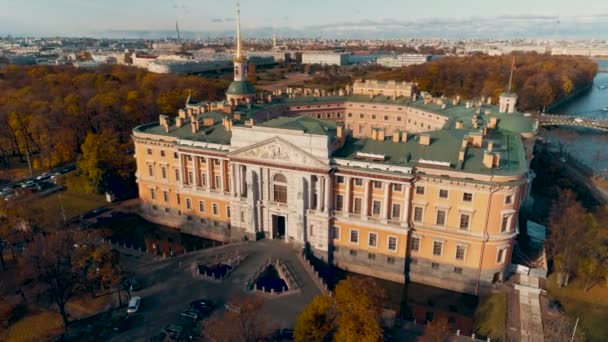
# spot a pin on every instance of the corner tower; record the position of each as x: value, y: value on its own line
x: 240, y: 90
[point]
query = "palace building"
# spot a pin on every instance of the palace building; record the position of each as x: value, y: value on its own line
x: 376, y: 179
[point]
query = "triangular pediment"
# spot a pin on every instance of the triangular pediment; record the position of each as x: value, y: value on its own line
x: 279, y: 151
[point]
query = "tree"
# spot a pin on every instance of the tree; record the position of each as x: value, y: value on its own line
x: 246, y: 325
x: 317, y: 321
x: 568, y: 223
x: 50, y: 261
x: 436, y: 330
x: 353, y: 313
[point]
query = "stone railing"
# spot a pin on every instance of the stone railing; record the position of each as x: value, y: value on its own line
x: 319, y: 281
x: 284, y: 272
x: 233, y: 260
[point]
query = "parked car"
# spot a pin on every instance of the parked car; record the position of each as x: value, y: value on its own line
x: 44, y: 176
x: 173, y: 331
x: 202, y: 303
x: 28, y: 184
x: 134, y: 285
x: 133, y: 305
x: 192, y: 314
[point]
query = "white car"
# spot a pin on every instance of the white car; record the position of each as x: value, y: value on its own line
x: 133, y: 305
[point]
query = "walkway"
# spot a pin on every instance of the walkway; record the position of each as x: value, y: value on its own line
x: 168, y: 285
x: 529, y: 308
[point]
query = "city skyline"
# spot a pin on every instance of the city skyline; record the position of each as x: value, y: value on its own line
x: 337, y: 19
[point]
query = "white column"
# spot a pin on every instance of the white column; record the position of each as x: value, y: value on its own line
x: 366, y: 195
x: 406, y: 205
x: 347, y: 195
x: 328, y: 194
x: 209, y: 172
x: 238, y: 178
x: 222, y: 176
x: 385, y: 205
x: 194, y: 171
x: 318, y: 193
x: 233, y: 180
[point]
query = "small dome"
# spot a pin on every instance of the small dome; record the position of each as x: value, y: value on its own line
x: 241, y: 88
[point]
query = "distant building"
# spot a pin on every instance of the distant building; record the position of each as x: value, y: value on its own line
x: 390, y: 89
x: 325, y: 58
x: 186, y: 66
x: 402, y: 60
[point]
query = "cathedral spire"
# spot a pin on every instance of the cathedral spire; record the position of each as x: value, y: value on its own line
x: 240, y: 56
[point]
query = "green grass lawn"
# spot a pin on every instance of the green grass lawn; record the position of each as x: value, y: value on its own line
x: 74, y: 203
x: 591, y: 307
x: 490, y: 317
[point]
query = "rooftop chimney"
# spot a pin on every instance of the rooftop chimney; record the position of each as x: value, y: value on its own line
x: 459, y: 124
x: 396, y: 136
x: 476, y: 139
x: 462, y: 153
x: 181, y: 113
x: 164, y: 122
x: 179, y: 121
x: 340, y: 130
x: 195, y: 125
x: 375, y: 134
x: 250, y: 123
x: 490, y: 145
x: 465, y: 143
x: 404, y: 136
x: 425, y: 139
x: 380, y: 134
x: 493, y: 122
x: 208, y: 121
x: 490, y: 159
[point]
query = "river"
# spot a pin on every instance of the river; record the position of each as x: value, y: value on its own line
x: 589, y: 146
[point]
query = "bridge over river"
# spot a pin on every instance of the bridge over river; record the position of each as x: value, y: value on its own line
x: 569, y: 120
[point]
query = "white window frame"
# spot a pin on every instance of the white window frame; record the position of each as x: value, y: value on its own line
x: 380, y: 207
x: 447, y: 196
x: 504, y: 255
x: 228, y: 213
x: 166, y: 196
x: 350, y: 236
x: 423, y: 190
x: 188, y: 203
x: 397, y: 185
x: 512, y: 199
x: 201, y: 206
x: 445, y: 217
x: 441, y: 250
x: 464, y: 255
x: 472, y: 197
x: 419, y: 244
x: 393, y: 216
x: 369, y: 236
x: 468, y: 227
x: 215, y: 209
x: 509, y: 226
x: 414, y: 213
x: 358, y: 180
x: 388, y: 243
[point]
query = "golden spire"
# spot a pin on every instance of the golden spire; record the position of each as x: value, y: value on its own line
x: 240, y: 56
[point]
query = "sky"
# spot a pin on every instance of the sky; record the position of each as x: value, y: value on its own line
x: 312, y: 18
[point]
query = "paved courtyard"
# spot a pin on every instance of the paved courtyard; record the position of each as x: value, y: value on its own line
x: 168, y: 286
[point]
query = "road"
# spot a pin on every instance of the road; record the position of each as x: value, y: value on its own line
x: 167, y: 288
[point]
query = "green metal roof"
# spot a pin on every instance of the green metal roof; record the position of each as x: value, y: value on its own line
x: 215, y: 133
x: 445, y: 147
x: 240, y: 88
x: 305, y: 124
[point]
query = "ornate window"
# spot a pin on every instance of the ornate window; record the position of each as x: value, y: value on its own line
x: 279, y: 188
